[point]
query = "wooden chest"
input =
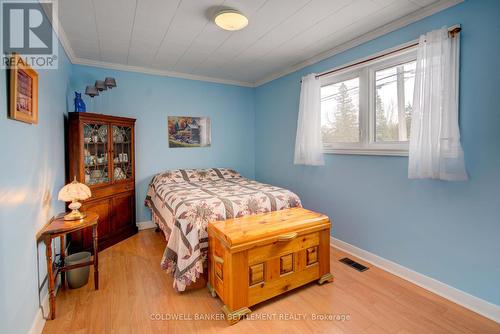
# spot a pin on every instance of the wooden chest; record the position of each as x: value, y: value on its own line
x: 254, y: 258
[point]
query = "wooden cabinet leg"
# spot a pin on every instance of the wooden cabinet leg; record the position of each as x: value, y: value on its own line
x: 50, y: 275
x: 326, y: 278
x: 63, y: 255
x: 96, y: 258
x: 234, y: 316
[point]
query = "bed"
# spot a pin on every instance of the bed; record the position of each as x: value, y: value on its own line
x: 183, y: 201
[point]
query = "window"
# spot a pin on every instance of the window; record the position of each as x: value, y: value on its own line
x: 393, y: 102
x: 340, y: 112
x: 367, y: 109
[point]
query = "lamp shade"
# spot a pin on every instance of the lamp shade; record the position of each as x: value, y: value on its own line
x: 91, y: 91
x: 100, y: 85
x: 74, y: 191
x: 110, y: 82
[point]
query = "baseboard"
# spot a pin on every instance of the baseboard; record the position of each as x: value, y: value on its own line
x: 39, y: 321
x: 455, y: 295
x: 145, y: 225
x: 43, y: 311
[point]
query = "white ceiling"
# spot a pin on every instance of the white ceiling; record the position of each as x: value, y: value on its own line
x: 177, y: 37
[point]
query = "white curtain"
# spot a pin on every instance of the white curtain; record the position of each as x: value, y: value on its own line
x: 308, y: 143
x: 435, y: 151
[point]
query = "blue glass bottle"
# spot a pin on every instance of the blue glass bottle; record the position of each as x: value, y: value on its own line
x: 79, y: 104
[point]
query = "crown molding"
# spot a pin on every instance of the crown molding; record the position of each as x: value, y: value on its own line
x: 57, y: 27
x: 385, y: 29
x: 392, y: 26
x: 61, y: 35
x: 153, y: 71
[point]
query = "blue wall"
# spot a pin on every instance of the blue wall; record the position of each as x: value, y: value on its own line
x: 32, y: 172
x: 150, y: 99
x: 448, y: 231
x: 33, y: 158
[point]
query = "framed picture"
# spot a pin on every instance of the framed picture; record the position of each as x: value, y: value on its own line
x: 23, y: 86
x: 185, y: 131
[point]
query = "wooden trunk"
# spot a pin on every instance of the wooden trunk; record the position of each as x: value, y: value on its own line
x: 254, y: 258
x: 101, y: 154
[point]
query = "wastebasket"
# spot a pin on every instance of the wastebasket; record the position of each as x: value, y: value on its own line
x: 80, y: 276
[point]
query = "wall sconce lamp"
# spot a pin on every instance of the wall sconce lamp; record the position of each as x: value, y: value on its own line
x: 91, y: 91
x: 110, y: 82
x: 100, y: 85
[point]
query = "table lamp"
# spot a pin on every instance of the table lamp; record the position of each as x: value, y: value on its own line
x: 74, y: 192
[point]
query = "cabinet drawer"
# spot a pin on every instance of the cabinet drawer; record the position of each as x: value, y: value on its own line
x: 112, y: 190
x: 279, y: 248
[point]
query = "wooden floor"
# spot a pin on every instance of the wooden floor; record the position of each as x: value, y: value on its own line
x: 134, y: 290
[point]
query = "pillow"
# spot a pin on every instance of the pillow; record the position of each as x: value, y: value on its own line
x: 195, y: 175
x: 228, y: 173
x: 198, y: 175
x: 169, y: 176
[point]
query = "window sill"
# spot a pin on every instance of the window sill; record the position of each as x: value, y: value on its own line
x: 367, y: 151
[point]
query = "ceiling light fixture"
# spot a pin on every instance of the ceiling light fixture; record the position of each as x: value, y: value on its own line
x: 231, y: 20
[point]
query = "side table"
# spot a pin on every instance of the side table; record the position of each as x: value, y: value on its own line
x: 59, y: 227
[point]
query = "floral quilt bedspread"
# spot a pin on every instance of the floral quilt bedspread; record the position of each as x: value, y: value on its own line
x: 183, y: 201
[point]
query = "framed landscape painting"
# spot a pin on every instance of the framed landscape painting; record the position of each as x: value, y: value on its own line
x: 185, y: 131
x: 23, y: 86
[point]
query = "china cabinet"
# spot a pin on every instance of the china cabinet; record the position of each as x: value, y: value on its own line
x: 101, y: 155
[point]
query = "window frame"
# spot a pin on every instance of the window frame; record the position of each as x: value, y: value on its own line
x: 367, y: 110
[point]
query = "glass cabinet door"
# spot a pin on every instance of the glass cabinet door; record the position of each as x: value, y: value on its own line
x: 95, y: 153
x: 122, y: 152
